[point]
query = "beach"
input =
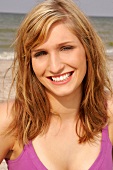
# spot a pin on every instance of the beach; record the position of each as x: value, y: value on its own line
x: 5, y: 79
x: 110, y: 69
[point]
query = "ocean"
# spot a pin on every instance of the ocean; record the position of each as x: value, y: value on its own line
x: 9, y: 24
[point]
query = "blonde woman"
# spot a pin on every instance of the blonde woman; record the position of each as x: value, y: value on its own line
x: 62, y: 114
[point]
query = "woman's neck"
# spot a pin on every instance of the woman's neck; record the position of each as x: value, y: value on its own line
x: 67, y: 107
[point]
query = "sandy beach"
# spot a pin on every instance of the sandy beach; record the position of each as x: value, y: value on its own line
x: 110, y: 68
x: 4, y: 65
x: 5, y: 82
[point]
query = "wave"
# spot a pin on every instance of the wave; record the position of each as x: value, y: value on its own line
x: 7, y: 30
x: 6, y: 56
x: 109, y: 52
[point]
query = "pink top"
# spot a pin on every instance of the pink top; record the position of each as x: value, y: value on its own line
x: 28, y: 160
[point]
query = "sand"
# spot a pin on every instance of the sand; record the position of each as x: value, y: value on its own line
x: 5, y: 83
x: 110, y: 67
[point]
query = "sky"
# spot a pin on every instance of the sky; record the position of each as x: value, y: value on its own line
x: 89, y: 7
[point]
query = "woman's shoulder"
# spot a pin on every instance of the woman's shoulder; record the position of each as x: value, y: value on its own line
x: 5, y: 114
x: 110, y: 115
x: 6, y: 140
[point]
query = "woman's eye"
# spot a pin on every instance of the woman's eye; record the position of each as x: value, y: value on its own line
x: 64, y: 48
x: 40, y: 53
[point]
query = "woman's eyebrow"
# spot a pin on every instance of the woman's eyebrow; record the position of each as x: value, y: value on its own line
x: 57, y: 45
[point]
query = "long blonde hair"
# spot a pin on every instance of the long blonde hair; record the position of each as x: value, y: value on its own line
x: 31, y: 109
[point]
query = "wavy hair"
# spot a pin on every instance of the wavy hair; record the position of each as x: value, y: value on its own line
x: 31, y: 109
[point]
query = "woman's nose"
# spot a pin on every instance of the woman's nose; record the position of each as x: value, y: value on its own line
x: 56, y: 65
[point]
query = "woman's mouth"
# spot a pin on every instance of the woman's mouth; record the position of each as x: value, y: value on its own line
x: 61, y: 78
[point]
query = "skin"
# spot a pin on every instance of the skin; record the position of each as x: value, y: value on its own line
x: 57, y: 57
x: 59, y: 148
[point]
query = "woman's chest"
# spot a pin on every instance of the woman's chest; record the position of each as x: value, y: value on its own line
x: 65, y: 153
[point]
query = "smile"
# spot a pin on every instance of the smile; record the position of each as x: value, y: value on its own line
x: 61, y: 78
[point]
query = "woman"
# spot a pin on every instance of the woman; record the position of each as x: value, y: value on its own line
x: 62, y: 114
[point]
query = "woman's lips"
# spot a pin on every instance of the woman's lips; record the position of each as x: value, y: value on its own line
x: 60, y: 78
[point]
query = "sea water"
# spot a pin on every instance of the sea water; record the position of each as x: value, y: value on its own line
x: 9, y: 24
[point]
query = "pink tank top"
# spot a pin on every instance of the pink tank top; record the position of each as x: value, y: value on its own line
x: 28, y: 160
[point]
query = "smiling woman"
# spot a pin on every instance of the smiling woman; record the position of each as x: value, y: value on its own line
x: 60, y: 63
x: 63, y: 108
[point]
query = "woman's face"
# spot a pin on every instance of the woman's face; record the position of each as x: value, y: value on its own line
x: 60, y: 62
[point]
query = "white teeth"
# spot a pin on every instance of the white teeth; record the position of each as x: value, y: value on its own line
x: 61, y: 78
